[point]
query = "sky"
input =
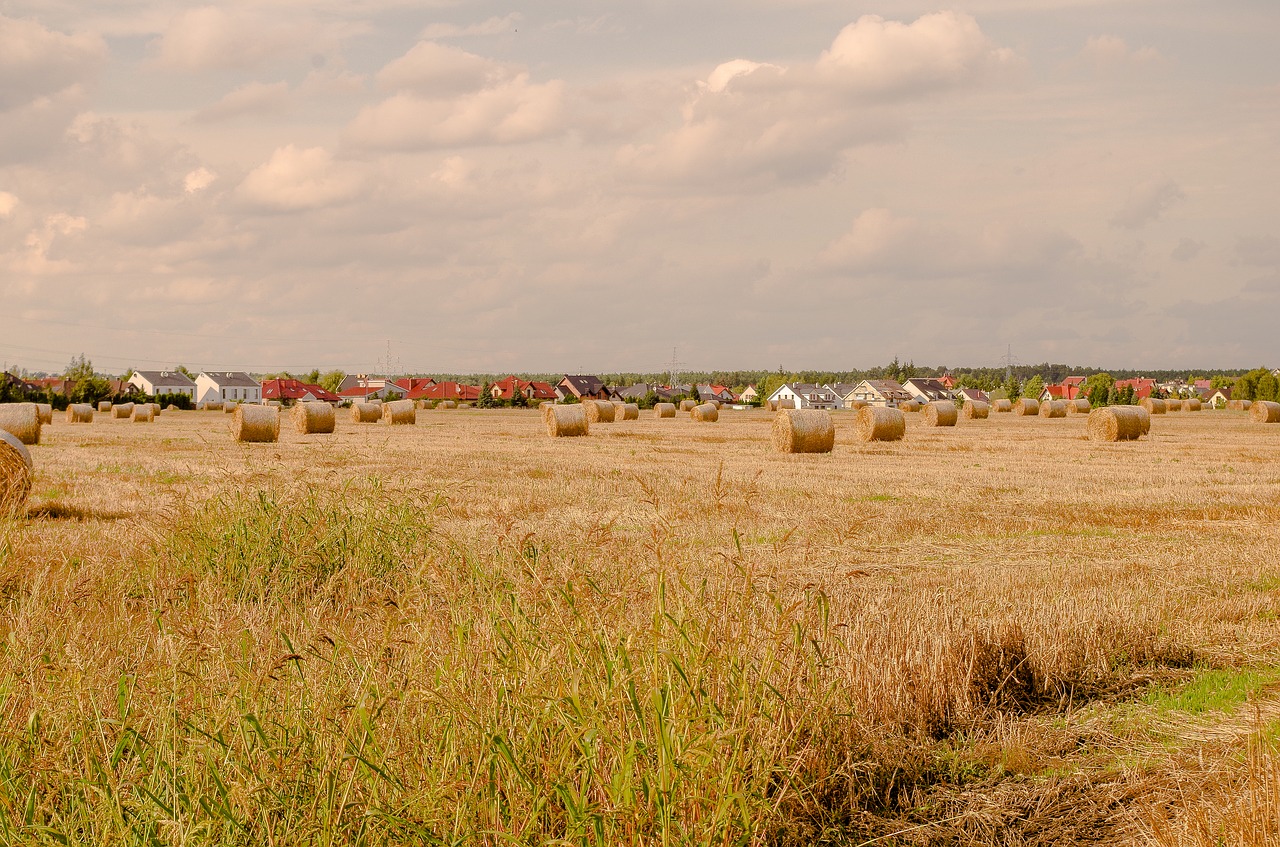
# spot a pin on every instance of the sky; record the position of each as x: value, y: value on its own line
x: 472, y: 187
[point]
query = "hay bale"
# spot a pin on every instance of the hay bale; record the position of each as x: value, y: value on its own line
x: 256, y: 424
x: 1078, y: 406
x: 15, y: 474
x: 155, y: 409
x: 803, y: 431
x: 566, y: 421
x: 717, y: 404
x: 365, y: 413
x: 399, y: 413
x: 707, y: 413
x: 21, y: 420
x: 1191, y: 405
x: 314, y: 418
x: 46, y: 413
x: 122, y: 410
x: 1173, y: 404
x: 858, y: 404
x: 274, y: 403
x: 909, y: 406
x: 447, y: 404
x: 1153, y: 405
x: 1027, y: 407
x: 879, y: 423
x: 1002, y: 405
x: 1265, y: 411
x: 975, y: 410
x: 687, y: 405
x: 464, y: 405
x: 939, y: 413
x: 1237, y: 405
x: 770, y: 405
x: 142, y: 413
x: 1246, y: 405
x: 79, y: 413
x: 788, y: 403
x: 1053, y: 409
x: 1118, y: 423
x: 230, y: 408
x: 664, y: 410
x: 213, y: 406
x: 598, y: 411
x: 627, y: 412
x: 104, y: 406
x: 172, y: 408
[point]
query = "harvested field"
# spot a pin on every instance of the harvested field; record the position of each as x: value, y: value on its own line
x: 467, y: 632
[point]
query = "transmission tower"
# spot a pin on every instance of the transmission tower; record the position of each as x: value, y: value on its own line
x: 673, y: 368
x: 1009, y: 362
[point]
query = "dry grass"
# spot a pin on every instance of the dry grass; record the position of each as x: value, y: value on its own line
x: 662, y: 633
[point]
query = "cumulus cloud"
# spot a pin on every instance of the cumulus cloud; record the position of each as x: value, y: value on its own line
x: 254, y: 98
x: 1147, y: 202
x: 37, y: 62
x: 198, y: 180
x: 432, y: 69
x: 295, y: 179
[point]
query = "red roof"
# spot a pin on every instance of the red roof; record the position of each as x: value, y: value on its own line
x: 447, y: 391
x: 359, y: 391
x: 414, y: 383
x: 542, y: 391
x: 292, y: 389
x: 1142, y: 388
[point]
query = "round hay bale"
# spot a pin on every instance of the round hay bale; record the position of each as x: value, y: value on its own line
x: 122, y: 410
x: 1027, y: 407
x: 1002, y: 405
x: 687, y: 405
x: 21, y: 420
x: 104, y: 405
x: 172, y: 408
x: 939, y: 413
x: 142, y: 413
x: 1173, y: 404
x: 79, y: 413
x: 717, y: 404
x: 1053, y: 409
x: 803, y: 431
x: 1078, y: 406
x: 598, y: 411
x: 230, y: 408
x: 707, y: 413
x: 664, y: 410
x: 15, y: 474
x: 464, y: 405
x: 1235, y: 405
x: 1262, y: 411
x: 1191, y: 405
x: 1153, y: 405
x: 769, y: 405
x: 859, y: 404
x: 566, y: 421
x: 46, y: 413
x: 314, y: 418
x: 627, y: 412
x: 879, y: 423
x: 365, y: 413
x: 447, y: 404
x: 1246, y: 405
x: 213, y: 406
x: 256, y: 424
x: 909, y: 406
x: 399, y: 413
x: 1118, y: 423
x: 975, y: 410
x: 275, y: 403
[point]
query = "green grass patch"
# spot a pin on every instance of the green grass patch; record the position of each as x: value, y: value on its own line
x: 1212, y: 691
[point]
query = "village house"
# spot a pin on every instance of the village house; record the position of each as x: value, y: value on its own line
x: 715, y: 392
x: 749, y: 395
x: 456, y: 391
x: 533, y: 392
x: 296, y: 391
x: 879, y: 392
x: 1219, y: 397
x: 971, y: 395
x: 805, y: 395
x: 841, y: 390
x: 580, y: 386
x: 155, y: 383
x: 223, y: 386
x: 1142, y: 388
x: 926, y: 390
x: 1068, y: 389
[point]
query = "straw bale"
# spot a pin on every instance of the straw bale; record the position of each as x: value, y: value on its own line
x: 1118, y: 423
x: 627, y: 412
x: 1173, y: 404
x: 717, y: 404
x: 858, y: 404
x: 803, y: 431
x: 80, y: 413
x: 260, y: 424
x: 45, y: 411
x: 1264, y: 411
x: 122, y: 410
x: 314, y: 418
x: 399, y: 413
x: 788, y: 403
x: 975, y: 410
x: 447, y: 404
x: 939, y: 413
x: 1237, y: 406
x: 1078, y: 406
x: 365, y: 413
x: 1191, y: 405
x: 687, y: 405
x: 172, y: 408
x: 909, y: 405
x: 1246, y: 405
x: 1002, y: 405
x: 566, y: 421
x: 707, y: 413
x: 15, y: 474
x: 1053, y: 409
x: 276, y: 403
x: 879, y: 423
x: 213, y: 406
x: 230, y: 408
x: 771, y: 405
x: 598, y: 411
x: 664, y: 410
x: 1153, y: 405
x: 1027, y: 406
x: 104, y: 405
x: 464, y: 405
x: 21, y: 420
x: 155, y: 410
x: 142, y: 413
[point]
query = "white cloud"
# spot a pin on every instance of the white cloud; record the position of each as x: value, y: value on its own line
x: 436, y: 70
x: 1147, y: 202
x: 491, y: 26
x: 220, y: 37
x: 36, y: 62
x: 8, y: 202
x: 295, y: 179
x: 253, y: 98
x: 1109, y: 51
x: 198, y: 180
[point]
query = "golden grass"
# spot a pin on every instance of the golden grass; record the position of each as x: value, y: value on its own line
x: 663, y: 632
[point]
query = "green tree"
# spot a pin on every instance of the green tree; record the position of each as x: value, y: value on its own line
x: 89, y: 387
x: 182, y: 369
x: 1012, y: 390
x: 331, y: 380
x: 1098, y: 389
x: 486, y: 400
x: 1033, y: 387
x: 312, y: 378
x: 1268, y: 387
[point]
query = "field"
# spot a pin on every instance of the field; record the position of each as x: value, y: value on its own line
x: 465, y: 632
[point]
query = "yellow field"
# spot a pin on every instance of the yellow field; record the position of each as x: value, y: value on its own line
x: 467, y: 632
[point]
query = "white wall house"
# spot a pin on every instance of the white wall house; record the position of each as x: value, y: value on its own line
x: 154, y: 383
x: 224, y: 386
x: 805, y: 395
x: 880, y: 392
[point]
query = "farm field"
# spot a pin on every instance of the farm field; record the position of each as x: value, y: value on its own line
x: 466, y: 632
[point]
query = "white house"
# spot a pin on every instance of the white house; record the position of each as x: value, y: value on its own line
x: 221, y: 386
x: 804, y: 395
x: 880, y: 392
x: 155, y: 383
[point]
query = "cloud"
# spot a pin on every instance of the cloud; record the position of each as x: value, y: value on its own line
x: 1147, y: 202
x: 37, y: 62
x: 296, y: 179
x: 8, y: 202
x: 1258, y: 251
x: 198, y: 180
x: 233, y: 38
x: 435, y: 70
x: 254, y: 98
x: 492, y: 26
x: 1109, y: 51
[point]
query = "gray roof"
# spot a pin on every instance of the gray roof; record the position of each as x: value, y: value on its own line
x: 165, y: 377
x: 231, y: 379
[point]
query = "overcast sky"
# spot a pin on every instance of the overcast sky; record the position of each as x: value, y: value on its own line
x: 280, y: 184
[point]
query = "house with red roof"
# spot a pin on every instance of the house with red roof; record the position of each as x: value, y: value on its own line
x: 1068, y: 389
x: 506, y: 389
x: 1142, y: 388
x: 411, y: 387
x: 456, y: 391
x: 296, y: 391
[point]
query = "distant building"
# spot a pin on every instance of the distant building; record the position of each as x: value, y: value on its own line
x: 155, y: 383
x: 223, y: 386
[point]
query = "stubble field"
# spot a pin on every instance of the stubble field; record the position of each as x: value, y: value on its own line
x: 663, y: 633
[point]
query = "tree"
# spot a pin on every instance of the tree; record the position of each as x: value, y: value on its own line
x: 182, y: 369
x: 486, y: 400
x: 1098, y: 389
x: 331, y: 380
x: 312, y: 378
x: 89, y: 387
x: 1033, y: 387
x: 1012, y: 389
